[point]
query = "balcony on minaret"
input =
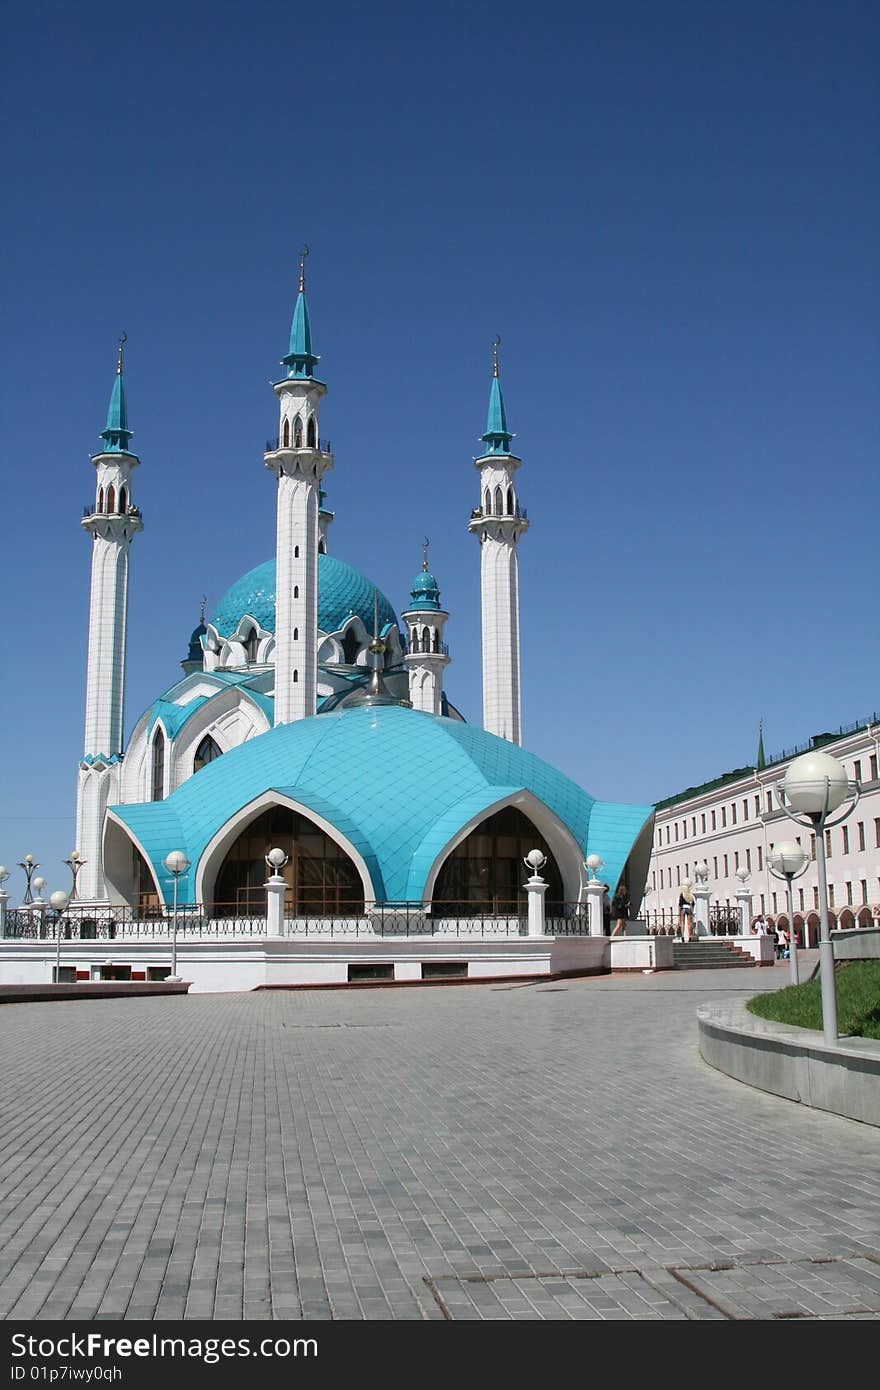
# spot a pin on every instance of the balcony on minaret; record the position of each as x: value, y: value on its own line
x: 274, y: 445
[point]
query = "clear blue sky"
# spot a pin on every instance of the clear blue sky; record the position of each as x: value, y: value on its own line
x: 669, y: 213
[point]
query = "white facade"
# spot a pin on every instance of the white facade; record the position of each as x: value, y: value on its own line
x: 734, y: 823
x: 299, y: 464
x: 498, y: 524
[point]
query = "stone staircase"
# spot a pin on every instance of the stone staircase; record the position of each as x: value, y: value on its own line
x: 709, y: 954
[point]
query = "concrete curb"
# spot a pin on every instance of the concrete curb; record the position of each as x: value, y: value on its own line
x: 794, y: 1063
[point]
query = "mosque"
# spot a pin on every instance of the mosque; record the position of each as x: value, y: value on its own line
x: 312, y: 719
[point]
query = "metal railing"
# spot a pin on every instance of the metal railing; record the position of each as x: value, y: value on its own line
x: 197, y: 921
x: 272, y: 445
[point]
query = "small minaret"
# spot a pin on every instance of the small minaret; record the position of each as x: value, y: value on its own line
x: 299, y: 459
x: 426, y: 652
x: 112, y: 523
x: 499, y: 523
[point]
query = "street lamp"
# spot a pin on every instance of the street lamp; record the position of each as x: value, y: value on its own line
x: 787, y: 860
x: 816, y: 785
x: 74, y: 864
x: 593, y: 863
x: 30, y: 867
x: 176, y: 863
x: 37, y: 902
x: 58, y: 902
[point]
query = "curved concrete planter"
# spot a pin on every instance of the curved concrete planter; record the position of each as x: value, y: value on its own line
x: 792, y: 1062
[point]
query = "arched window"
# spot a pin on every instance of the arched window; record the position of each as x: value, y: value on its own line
x: 206, y: 752
x: 296, y: 634
x: 252, y: 644
x: 312, y: 434
x: 426, y: 640
x: 350, y: 647
x: 285, y: 435
x: 123, y: 500
x: 436, y: 642
x: 296, y: 591
x: 111, y: 498
x: 414, y: 640
x: 295, y: 677
x: 485, y: 872
x: 101, y: 500
x: 322, y: 880
x: 297, y: 432
x: 499, y: 502
x: 511, y: 506
x: 296, y: 552
x: 487, y: 503
x: 157, y: 790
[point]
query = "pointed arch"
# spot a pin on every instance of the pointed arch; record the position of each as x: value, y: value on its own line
x: 511, y: 502
x: 123, y: 500
x: 435, y: 645
x: 101, y: 500
x: 296, y: 552
x: 487, y: 503
x: 285, y: 434
x: 252, y: 645
x: 295, y: 677
x: 296, y: 634
x: 157, y: 779
x: 414, y: 640
x: 350, y: 647
x: 297, y: 432
x: 426, y: 640
x: 499, y: 502
x: 111, y: 498
x: 206, y: 753
x: 296, y: 591
x: 312, y: 434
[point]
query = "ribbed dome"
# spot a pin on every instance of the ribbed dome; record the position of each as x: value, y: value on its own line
x: 341, y: 590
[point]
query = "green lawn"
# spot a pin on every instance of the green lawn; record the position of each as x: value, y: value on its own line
x: 858, y: 1001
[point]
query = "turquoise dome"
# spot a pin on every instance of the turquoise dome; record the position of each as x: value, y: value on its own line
x: 398, y: 784
x: 425, y: 594
x: 341, y: 590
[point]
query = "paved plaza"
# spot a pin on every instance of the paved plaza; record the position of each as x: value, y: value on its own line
x: 555, y: 1150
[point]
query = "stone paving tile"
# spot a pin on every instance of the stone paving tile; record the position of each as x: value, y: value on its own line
x: 323, y: 1154
x: 835, y: 1288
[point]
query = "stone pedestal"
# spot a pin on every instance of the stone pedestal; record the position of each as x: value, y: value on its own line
x: 744, y: 903
x: 4, y: 899
x: 702, y: 896
x: 594, y: 892
x: 275, y: 890
x: 536, y: 888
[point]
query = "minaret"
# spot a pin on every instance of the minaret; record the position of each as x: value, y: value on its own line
x: 426, y: 652
x: 499, y: 523
x: 112, y: 523
x: 299, y: 460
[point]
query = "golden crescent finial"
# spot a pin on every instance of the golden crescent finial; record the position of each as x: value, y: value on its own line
x: 202, y: 609
x: 302, y: 268
x: 425, y: 555
x: 495, y: 346
x: 121, y: 341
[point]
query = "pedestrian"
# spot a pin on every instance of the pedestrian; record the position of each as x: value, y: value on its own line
x: 686, y: 911
x: 620, y: 909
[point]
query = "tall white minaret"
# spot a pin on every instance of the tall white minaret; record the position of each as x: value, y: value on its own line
x: 426, y: 653
x: 112, y: 523
x: 499, y: 523
x: 299, y: 460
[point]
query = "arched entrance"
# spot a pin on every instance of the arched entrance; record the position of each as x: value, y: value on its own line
x: 321, y: 879
x: 485, y: 872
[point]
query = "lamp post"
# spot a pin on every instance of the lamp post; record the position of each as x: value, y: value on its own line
x: 30, y: 867
x: 787, y: 860
x: 743, y: 897
x: 58, y: 902
x: 4, y: 874
x: 176, y: 863
x: 816, y: 785
x: 276, y: 889
x: 595, y: 892
x: 74, y: 864
x: 37, y: 902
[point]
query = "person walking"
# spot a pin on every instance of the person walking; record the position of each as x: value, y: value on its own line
x: 686, y: 912
x: 620, y: 909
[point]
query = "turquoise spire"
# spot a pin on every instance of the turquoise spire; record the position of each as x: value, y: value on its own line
x: 425, y: 590
x: 497, y: 437
x: 116, y: 433
x: 762, y: 760
x: 300, y: 360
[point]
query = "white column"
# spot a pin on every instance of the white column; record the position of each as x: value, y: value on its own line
x: 275, y: 890
x: 500, y: 623
x: 536, y: 888
x: 4, y: 899
x: 595, y: 892
x: 702, y: 896
x: 296, y: 598
x: 744, y: 903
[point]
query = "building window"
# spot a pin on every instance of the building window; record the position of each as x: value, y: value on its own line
x: 735, y: 860
x: 713, y: 820
x: 813, y: 848
x: 726, y: 867
x: 847, y: 888
x: 733, y: 813
x: 815, y: 897
x: 111, y: 499
x: 693, y: 825
x: 510, y: 502
x: 864, y: 889
x: 801, y: 898
x: 715, y: 864
x: 827, y: 844
x: 297, y: 433
x: 749, y: 860
x: 295, y: 677
x: 723, y: 817
x: 831, y: 895
x: 499, y: 502
x: 158, y: 779
x: 774, y: 902
x: 321, y: 879
x: 861, y: 829
x: 857, y: 770
x: 684, y: 829
x: 745, y: 808
x: 703, y: 823
x: 877, y: 832
x: 762, y: 904
x: 296, y: 634
x: 285, y: 435
x: 760, y: 858
x: 312, y: 434
x: 206, y: 752
x: 769, y: 802
x: 296, y: 591
x: 846, y: 839
x: 667, y: 833
x: 484, y: 872
x: 757, y: 805
x: 677, y: 876
x: 654, y: 880
x: 252, y: 645
x: 873, y: 767
x: 123, y: 500
x: 686, y: 874
x: 296, y: 552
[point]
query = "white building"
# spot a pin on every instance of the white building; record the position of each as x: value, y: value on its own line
x: 733, y: 822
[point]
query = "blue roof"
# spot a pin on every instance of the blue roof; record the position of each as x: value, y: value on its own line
x: 116, y: 433
x: 497, y: 435
x: 397, y: 783
x: 341, y: 590
x: 425, y: 594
